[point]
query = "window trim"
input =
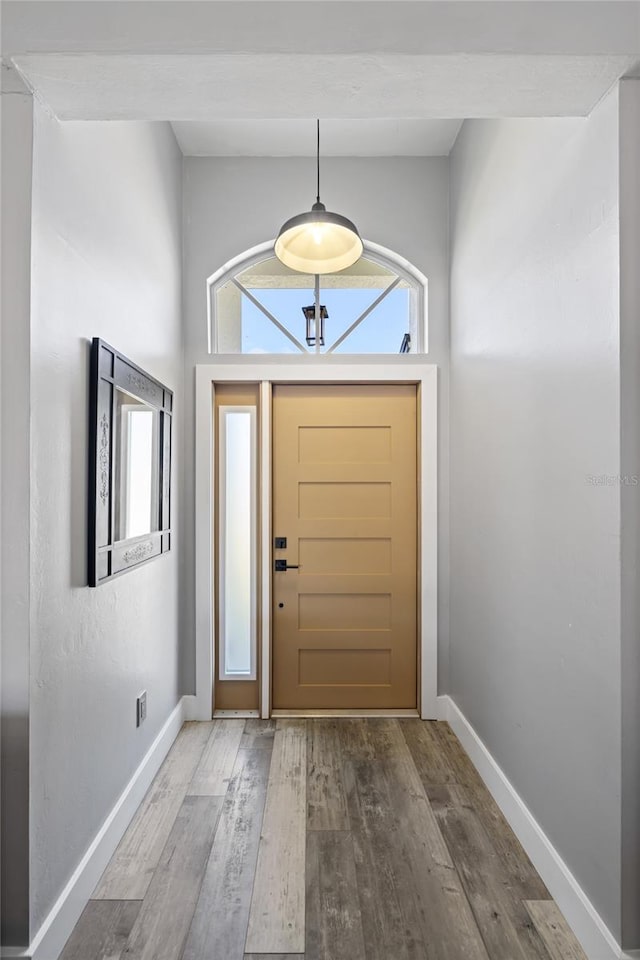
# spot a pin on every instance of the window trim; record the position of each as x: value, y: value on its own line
x: 265, y: 370
x: 125, y: 467
x: 382, y: 256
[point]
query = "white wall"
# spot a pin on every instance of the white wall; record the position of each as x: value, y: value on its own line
x: 106, y: 262
x: 535, y: 380
x: 630, y: 547
x: 17, y: 143
x: 232, y: 204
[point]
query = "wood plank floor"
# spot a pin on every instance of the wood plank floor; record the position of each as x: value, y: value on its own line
x: 324, y: 839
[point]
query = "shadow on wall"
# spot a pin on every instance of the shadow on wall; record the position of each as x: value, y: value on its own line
x: 14, y: 834
x: 78, y: 424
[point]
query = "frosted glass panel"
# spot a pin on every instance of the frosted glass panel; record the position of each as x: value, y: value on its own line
x: 237, y: 542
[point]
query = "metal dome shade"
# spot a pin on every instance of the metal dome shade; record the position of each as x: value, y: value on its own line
x: 318, y: 242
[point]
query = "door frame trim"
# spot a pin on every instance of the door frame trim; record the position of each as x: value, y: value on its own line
x: 269, y: 370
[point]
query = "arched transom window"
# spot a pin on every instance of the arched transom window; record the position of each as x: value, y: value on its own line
x: 257, y: 305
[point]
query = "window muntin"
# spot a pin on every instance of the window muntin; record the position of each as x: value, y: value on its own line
x: 379, y: 332
x: 257, y: 308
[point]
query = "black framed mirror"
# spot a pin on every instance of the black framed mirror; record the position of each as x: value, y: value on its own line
x: 130, y: 416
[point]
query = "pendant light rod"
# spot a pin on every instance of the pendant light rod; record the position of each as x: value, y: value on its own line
x: 318, y: 161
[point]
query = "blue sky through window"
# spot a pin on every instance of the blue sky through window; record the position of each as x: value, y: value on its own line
x: 381, y: 332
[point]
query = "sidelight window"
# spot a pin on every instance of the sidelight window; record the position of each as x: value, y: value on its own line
x: 237, y: 543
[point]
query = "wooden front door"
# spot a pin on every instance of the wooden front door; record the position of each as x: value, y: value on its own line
x: 345, y: 499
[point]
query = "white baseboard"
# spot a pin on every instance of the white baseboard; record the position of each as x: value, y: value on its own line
x: 65, y: 913
x: 193, y: 710
x: 597, y: 940
x: 443, y: 708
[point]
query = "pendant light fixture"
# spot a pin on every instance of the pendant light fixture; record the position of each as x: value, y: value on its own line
x: 318, y: 241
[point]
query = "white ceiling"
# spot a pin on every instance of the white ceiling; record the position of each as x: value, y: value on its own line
x: 437, y: 27
x: 219, y: 65
x: 208, y: 87
x: 297, y: 138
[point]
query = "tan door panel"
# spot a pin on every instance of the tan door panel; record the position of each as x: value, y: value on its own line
x: 345, y: 497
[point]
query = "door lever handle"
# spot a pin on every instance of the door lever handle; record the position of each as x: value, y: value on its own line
x: 282, y: 565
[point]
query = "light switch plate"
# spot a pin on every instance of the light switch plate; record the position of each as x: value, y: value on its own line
x: 141, y: 708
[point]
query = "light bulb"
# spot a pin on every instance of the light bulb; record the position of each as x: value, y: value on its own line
x: 317, y: 233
